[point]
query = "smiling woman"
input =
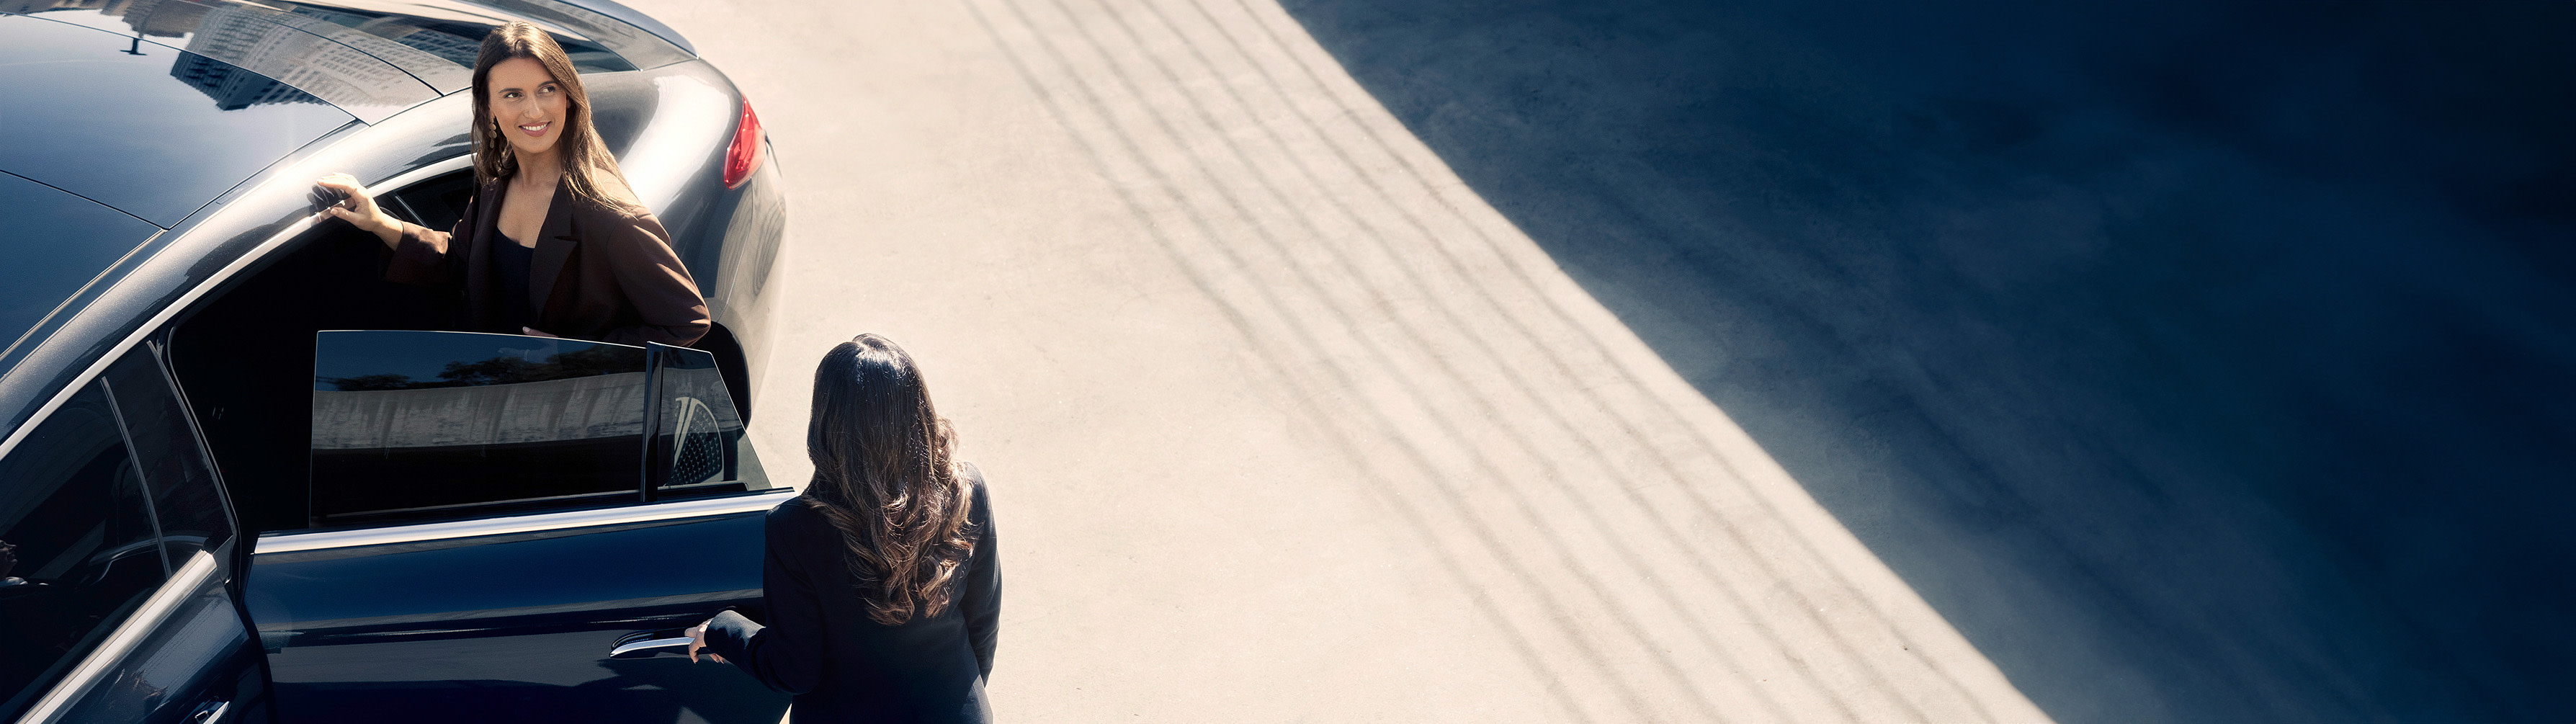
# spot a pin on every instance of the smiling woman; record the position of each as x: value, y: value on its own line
x: 553, y: 243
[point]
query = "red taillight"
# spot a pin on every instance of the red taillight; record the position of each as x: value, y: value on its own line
x: 744, y: 156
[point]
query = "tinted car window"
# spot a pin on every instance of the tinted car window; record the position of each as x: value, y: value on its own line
x: 186, y: 500
x: 439, y: 47
x: 414, y: 425
x: 642, y: 48
x: 697, y: 438
x: 79, y: 553
x: 434, y: 42
x: 436, y: 203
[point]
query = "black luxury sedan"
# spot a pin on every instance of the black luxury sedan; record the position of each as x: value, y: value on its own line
x: 246, y: 480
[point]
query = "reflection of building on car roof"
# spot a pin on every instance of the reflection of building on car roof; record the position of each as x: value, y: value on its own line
x: 189, y: 543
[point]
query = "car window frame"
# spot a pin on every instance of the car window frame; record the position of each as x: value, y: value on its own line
x: 248, y: 541
x: 653, y: 442
x: 183, y: 582
x: 631, y: 494
x: 180, y: 580
x: 644, y: 509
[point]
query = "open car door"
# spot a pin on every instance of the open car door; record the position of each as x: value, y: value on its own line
x: 492, y: 516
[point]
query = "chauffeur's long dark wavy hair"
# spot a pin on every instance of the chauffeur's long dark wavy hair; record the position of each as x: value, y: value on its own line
x: 587, y: 165
x: 883, y: 475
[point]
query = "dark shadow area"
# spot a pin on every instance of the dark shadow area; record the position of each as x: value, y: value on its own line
x: 245, y: 359
x: 2199, y: 362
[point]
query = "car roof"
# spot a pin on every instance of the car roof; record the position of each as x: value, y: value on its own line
x: 57, y: 243
x: 145, y: 129
x: 360, y: 45
x: 154, y: 107
x: 122, y: 118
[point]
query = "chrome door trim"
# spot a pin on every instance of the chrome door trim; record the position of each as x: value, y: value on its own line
x: 157, y: 609
x: 623, y: 649
x: 290, y: 542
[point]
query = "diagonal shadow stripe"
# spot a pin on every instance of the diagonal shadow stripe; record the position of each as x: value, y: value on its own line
x: 1524, y: 335
x: 1555, y: 685
x: 1555, y: 309
x: 1626, y: 618
x: 1528, y: 390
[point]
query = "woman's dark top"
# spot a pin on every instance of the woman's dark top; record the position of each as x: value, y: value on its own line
x: 510, y: 264
x: 845, y: 667
x: 599, y: 272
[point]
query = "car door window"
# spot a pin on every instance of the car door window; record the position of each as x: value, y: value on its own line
x: 80, y: 552
x: 411, y: 425
x: 698, y: 446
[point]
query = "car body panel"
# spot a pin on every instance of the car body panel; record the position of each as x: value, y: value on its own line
x: 728, y: 237
x: 434, y: 41
x: 564, y: 585
x: 516, y: 625
x: 199, y: 658
x: 141, y: 148
x: 186, y: 653
x: 59, y: 242
x: 640, y: 20
x: 281, y: 60
x: 639, y: 46
x: 510, y: 616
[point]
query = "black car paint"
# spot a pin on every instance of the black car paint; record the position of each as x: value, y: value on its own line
x: 457, y: 629
x: 627, y: 15
x: 120, y: 127
x: 158, y: 273
x: 730, y: 258
x: 57, y: 242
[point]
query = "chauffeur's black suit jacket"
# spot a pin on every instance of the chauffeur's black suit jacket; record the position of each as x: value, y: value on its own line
x: 843, y: 667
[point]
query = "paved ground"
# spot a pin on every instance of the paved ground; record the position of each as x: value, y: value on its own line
x: 1639, y: 360
x: 2197, y: 361
x: 1285, y: 422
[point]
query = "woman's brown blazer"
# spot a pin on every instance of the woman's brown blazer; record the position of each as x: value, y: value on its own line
x: 599, y: 273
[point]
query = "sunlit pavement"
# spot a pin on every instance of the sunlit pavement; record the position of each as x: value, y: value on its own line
x: 1285, y: 423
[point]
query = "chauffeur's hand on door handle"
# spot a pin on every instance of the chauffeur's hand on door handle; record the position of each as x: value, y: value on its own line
x: 698, y: 640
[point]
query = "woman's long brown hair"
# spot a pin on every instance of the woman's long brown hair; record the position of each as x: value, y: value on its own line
x: 883, y: 475
x: 586, y: 162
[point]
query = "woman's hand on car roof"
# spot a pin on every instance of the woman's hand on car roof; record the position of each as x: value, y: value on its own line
x: 360, y: 209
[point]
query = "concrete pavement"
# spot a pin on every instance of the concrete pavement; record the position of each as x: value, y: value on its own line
x: 1284, y: 422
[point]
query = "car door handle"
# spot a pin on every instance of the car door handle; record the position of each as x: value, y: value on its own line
x: 644, y: 644
x: 210, y: 712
